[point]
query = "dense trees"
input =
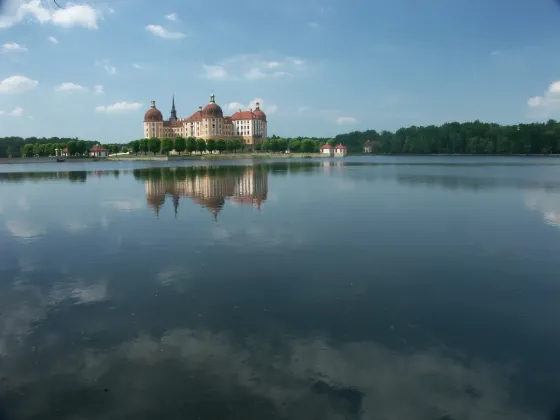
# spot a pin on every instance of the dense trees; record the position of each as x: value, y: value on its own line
x: 471, y: 137
x: 39, y: 146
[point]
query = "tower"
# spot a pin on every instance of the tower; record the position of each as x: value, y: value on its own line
x: 173, y: 116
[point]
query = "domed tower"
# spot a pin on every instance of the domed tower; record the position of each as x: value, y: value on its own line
x: 153, y: 122
x: 260, y: 123
x: 213, y: 119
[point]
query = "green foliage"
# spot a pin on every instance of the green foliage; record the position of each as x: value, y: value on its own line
x: 307, y: 146
x: 134, y: 146
x: 221, y: 145
x: 191, y: 144
x: 154, y: 144
x: 17, y: 144
x: 200, y: 145
x: 295, y: 145
x: 211, y: 145
x: 265, y: 145
x: 124, y: 149
x: 282, y: 145
x: 166, y: 145
x: 145, y: 146
x: 179, y: 144
x: 236, y: 144
x: 72, y: 147
x: 27, y: 150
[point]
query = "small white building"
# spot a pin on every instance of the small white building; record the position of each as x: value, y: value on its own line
x: 340, y: 151
x: 368, y: 146
x: 327, y: 150
x: 98, y: 151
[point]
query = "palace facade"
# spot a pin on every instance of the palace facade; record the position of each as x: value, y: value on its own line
x: 208, y: 123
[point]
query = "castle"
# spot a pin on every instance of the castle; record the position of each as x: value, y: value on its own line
x: 208, y: 123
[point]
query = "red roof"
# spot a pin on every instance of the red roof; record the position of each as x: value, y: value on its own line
x: 197, y: 116
x: 65, y: 150
x: 340, y: 146
x: 243, y: 115
x: 98, y: 148
x: 368, y: 143
x: 153, y: 114
x: 326, y: 146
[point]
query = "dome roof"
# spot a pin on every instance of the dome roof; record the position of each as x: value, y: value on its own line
x: 212, y: 110
x: 258, y: 113
x: 153, y: 114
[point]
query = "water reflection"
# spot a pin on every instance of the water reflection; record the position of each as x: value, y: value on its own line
x: 206, y: 186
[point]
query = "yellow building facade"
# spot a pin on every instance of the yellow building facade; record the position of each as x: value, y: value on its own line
x: 250, y: 127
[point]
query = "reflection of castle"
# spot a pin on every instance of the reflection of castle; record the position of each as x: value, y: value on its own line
x: 210, y: 190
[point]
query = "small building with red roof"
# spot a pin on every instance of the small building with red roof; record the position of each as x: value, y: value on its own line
x: 326, y: 149
x: 340, y: 150
x: 98, y: 151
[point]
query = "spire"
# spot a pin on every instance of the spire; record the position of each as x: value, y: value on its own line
x: 212, y: 99
x: 173, y: 116
x: 258, y: 105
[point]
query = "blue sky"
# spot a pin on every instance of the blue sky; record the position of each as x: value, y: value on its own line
x: 318, y: 67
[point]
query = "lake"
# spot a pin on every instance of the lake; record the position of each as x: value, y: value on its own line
x: 391, y: 288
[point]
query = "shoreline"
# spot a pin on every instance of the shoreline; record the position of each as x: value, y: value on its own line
x: 250, y: 156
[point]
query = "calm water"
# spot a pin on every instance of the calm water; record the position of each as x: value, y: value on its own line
x: 383, y: 288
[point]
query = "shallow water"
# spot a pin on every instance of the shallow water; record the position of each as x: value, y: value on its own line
x: 364, y: 288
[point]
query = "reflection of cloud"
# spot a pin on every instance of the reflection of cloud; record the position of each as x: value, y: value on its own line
x: 75, y: 226
x: 220, y: 234
x: 548, y: 205
x: 79, y: 292
x: 22, y: 229
x: 175, y: 276
x: 294, y: 378
x: 125, y: 205
x: 23, y: 203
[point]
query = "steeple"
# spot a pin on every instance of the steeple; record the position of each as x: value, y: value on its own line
x: 212, y: 99
x: 173, y: 116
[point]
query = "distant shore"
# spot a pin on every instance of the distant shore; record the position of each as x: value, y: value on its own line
x: 239, y: 156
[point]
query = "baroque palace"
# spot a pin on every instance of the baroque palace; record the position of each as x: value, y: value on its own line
x: 208, y: 123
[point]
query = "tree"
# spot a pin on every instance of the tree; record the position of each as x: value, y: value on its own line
x: 72, y: 147
x: 236, y: 144
x: 221, y: 145
x: 307, y: 146
x: 179, y: 144
x: 166, y: 145
x: 265, y: 145
x: 135, y: 146
x: 9, y: 151
x: 155, y: 145
x: 201, y: 145
x: 294, y: 145
x: 191, y: 144
x: 257, y: 146
x: 273, y: 145
x: 81, y: 147
x: 145, y: 146
x: 124, y: 149
x: 27, y: 150
x: 211, y: 145
x: 282, y: 144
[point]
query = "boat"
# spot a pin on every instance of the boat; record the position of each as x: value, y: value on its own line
x: 61, y: 159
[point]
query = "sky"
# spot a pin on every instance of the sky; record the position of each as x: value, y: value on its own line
x: 318, y: 67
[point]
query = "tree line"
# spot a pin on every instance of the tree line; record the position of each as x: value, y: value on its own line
x: 190, y: 144
x: 31, y: 146
x: 469, y: 138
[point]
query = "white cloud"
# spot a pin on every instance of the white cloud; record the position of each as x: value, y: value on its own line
x: 17, y: 84
x: 235, y: 106
x: 106, y: 64
x: 70, y: 87
x: 1, y: 112
x: 345, y: 120
x: 76, y: 15
x: 81, y: 15
x: 136, y: 66
x: 98, y: 90
x: 215, y: 72
x: 252, y: 67
x: 160, y: 31
x: 53, y: 39
x: 313, y: 25
x: 12, y: 47
x: 119, y: 106
x: 16, y: 112
x: 302, y: 108
x: 173, y: 17
x: 548, y: 104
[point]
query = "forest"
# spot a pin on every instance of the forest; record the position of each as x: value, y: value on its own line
x: 451, y: 138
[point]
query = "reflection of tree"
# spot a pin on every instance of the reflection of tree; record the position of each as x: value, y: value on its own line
x: 208, y: 186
